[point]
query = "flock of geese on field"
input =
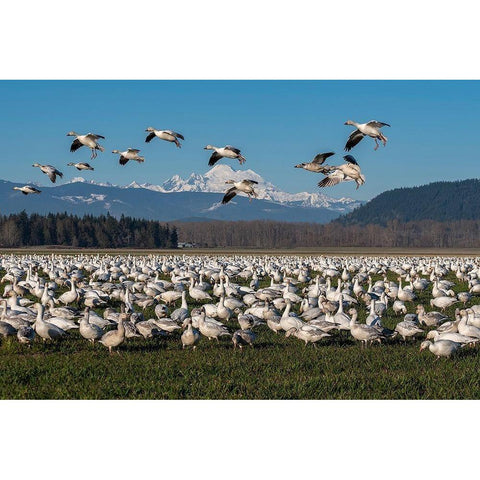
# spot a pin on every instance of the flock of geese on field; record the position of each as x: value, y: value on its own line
x: 300, y: 300
x: 349, y: 171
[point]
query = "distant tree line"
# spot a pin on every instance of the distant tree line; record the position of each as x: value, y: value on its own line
x: 105, y: 231
x: 270, y: 234
x: 440, y: 201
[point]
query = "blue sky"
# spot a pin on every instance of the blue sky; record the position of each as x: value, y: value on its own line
x: 276, y: 124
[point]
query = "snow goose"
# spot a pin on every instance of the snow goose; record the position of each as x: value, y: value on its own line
x: 465, y: 328
x: 220, y: 152
x: 363, y: 333
x: 50, y: 171
x: 166, y: 324
x: 442, y: 348
x: 197, y: 293
x: 115, y: 338
x: 288, y: 321
x: 344, y: 173
x: 44, y: 329
x: 89, y: 331
x: 443, y: 302
x: 80, y: 166
x: 308, y: 333
x: 243, y: 337
x: 129, y: 154
x: 316, y: 165
x: 211, y: 329
x: 245, y: 186
x: 408, y: 329
x: 430, y: 319
x: 453, y: 336
x: 180, y: 314
x: 26, y: 335
x: 168, y: 135
x: 26, y: 189
x: 190, y: 336
x: 89, y: 140
x: 370, y: 129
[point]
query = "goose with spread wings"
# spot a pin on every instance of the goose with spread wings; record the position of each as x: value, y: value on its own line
x: 344, y: 173
x: 81, y: 166
x: 245, y: 186
x: 89, y: 140
x: 370, y: 129
x: 317, y: 164
x: 50, y: 171
x: 26, y: 189
x: 227, y: 151
x: 168, y: 135
x: 129, y: 154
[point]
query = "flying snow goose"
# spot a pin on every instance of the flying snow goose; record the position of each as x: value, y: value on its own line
x: 49, y: 170
x: 80, y: 166
x: 316, y: 165
x: 26, y: 189
x: 245, y: 186
x: 370, y: 129
x: 168, y: 135
x: 344, y: 173
x: 129, y: 154
x: 89, y: 140
x: 227, y: 151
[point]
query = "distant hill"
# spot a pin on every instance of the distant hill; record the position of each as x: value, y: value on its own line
x: 439, y: 201
x: 81, y: 198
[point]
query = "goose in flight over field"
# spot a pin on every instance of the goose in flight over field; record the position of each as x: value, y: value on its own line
x: 27, y: 189
x: 89, y: 140
x: 370, y: 129
x: 343, y: 173
x: 227, y: 151
x: 81, y: 166
x: 168, y: 135
x: 245, y: 186
x: 49, y: 170
x: 316, y: 165
x: 129, y: 154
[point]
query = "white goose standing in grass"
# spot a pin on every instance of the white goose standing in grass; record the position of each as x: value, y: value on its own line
x: 46, y: 330
x: 80, y: 166
x: 308, y: 333
x: 89, y: 140
x: 220, y: 152
x: 88, y: 330
x: 129, y: 154
x: 344, y: 173
x: 370, y: 129
x: 50, y: 171
x: 442, y: 348
x: 245, y: 186
x: 27, y: 189
x: 211, y: 329
x: 316, y: 165
x: 168, y: 135
x: 190, y: 336
x: 363, y: 333
x: 115, y: 338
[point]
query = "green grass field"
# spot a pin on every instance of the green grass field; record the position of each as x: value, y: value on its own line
x: 277, y: 368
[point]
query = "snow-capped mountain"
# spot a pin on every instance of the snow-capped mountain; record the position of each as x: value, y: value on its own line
x: 213, y: 181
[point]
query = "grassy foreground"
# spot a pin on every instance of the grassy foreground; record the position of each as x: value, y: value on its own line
x: 277, y: 368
